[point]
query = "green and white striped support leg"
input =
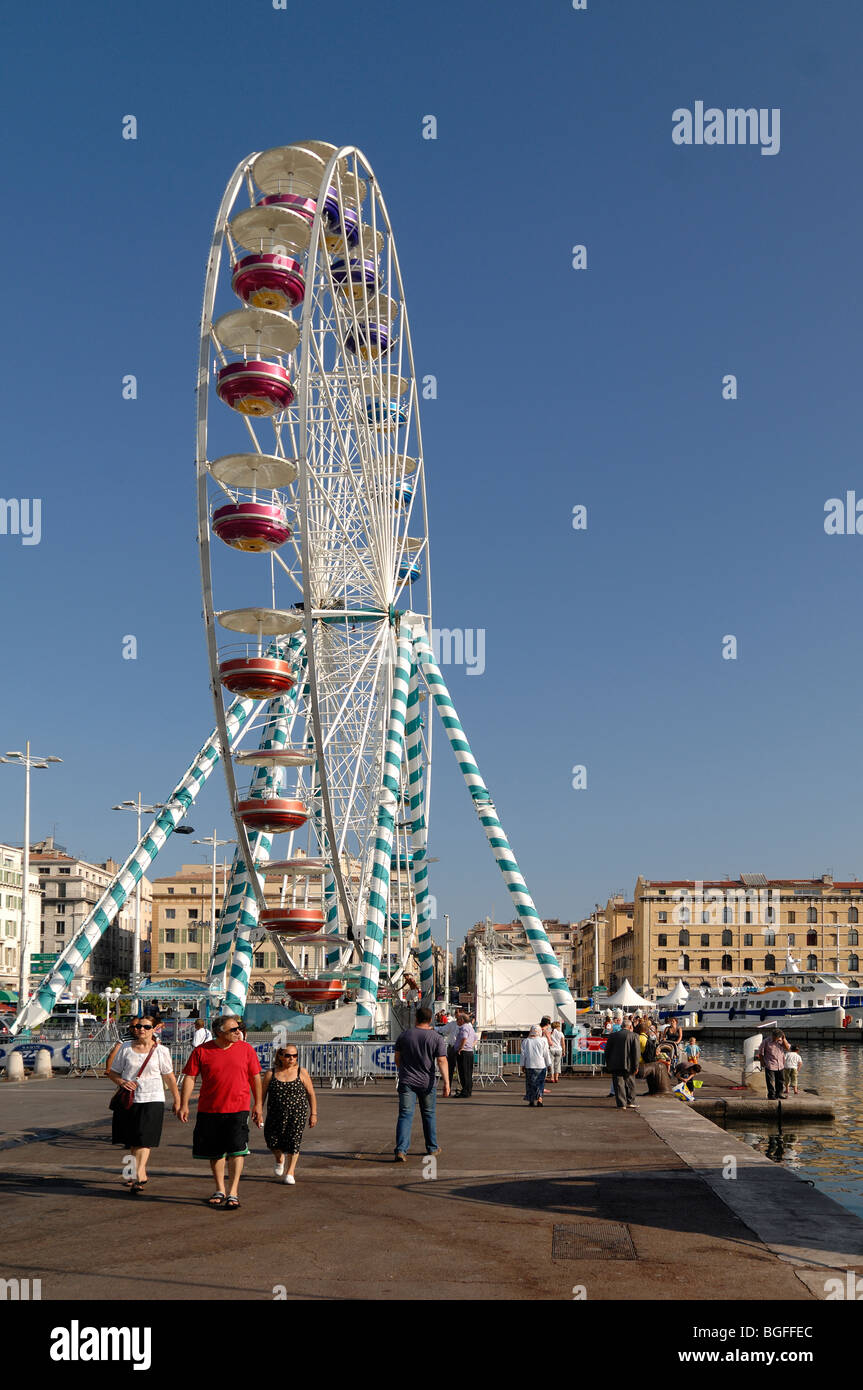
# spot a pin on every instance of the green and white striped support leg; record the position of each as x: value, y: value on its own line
x: 379, y: 890
x: 123, y: 884
x: 419, y: 838
x: 485, y: 808
x: 239, y: 909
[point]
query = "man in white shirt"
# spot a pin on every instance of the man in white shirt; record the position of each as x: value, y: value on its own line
x: 465, y: 1042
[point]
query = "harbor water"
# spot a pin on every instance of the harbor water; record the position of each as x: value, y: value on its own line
x: 828, y: 1154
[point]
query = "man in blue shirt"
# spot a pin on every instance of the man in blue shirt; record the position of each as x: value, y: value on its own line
x: 417, y: 1051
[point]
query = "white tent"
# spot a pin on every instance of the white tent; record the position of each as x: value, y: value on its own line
x: 674, y: 997
x: 626, y: 998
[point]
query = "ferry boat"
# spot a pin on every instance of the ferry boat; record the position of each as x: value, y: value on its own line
x: 792, y: 997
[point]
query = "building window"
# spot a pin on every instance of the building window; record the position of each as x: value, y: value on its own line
x: 662, y: 965
x: 853, y: 937
x: 170, y: 960
x: 791, y: 938
x: 170, y: 936
x: 705, y: 938
x: 193, y: 914
x: 811, y: 962
x: 747, y: 962
x: 170, y: 913
x: 811, y: 914
x: 193, y: 933
x: 747, y: 917
x: 684, y: 962
x: 792, y: 918
x: 770, y: 915
x: 769, y: 962
x: 60, y: 928
x: 812, y: 938
x: 727, y: 938
x: 193, y: 890
x: 192, y: 960
x: 662, y: 916
x: 61, y: 908
x: 705, y: 917
x: 683, y: 940
x: 853, y: 915
x: 770, y: 938
x: 853, y: 962
x: 747, y: 938
x: 259, y: 960
x: 705, y: 962
x: 170, y: 890
x: 726, y: 963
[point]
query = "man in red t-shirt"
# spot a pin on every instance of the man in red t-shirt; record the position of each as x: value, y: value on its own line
x: 229, y: 1069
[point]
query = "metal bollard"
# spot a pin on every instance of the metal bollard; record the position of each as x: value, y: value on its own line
x: 15, y: 1067
x: 42, y: 1064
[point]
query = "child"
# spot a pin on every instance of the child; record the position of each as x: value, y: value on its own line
x: 793, y: 1064
x: 692, y: 1051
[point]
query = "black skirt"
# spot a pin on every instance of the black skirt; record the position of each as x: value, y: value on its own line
x: 139, y: 1127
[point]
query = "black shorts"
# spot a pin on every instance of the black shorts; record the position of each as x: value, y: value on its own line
x: 221, y: 1136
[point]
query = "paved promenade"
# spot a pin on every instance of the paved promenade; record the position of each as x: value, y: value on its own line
x: 358, y: 1226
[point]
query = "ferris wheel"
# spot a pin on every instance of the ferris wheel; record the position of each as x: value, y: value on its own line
x: 313, y: 538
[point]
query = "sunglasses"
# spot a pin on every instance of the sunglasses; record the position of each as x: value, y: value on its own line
x: 146, y: 1026
x: 230, y: 1030
x: 287, y: 1054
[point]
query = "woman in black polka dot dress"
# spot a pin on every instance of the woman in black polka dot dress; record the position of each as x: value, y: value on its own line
x: 291, y: 1100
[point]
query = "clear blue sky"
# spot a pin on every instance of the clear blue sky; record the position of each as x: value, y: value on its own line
x: 556, y: 387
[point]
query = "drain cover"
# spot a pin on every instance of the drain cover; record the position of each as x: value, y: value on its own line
x: 603, y: 1240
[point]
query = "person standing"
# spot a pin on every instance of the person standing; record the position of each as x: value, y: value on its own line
x: 793, y: 1064
x: 465, y: 1042
x: 202, y: 1033
x: 535, y: 1061
x: 555, y: 1047
x: 229, y: 1069
x: 621, y: 1060
x: 417, y: 1051
x: 291, y: 1100
x: 449, y: 1032
x: 692, y: 1051
x: 772, y: 1054
x: 139, y: 1066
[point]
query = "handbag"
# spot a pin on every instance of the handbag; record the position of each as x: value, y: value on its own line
x: 124, y: 1099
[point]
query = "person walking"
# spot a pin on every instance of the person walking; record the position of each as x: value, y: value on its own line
x: 417, y: 1051
x: 771, y: 1055
x: 535, y: 1061
x: 464, y: 1045
x: 229, y: 1069
x: 621, y: 1060
x: 793, y: 1064
x: 139, y: 1066
x: 291, y: 1101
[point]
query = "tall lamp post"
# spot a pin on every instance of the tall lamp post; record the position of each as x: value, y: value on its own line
x: 26, y: 760
x: 139, y: 810
x: 215, y: 842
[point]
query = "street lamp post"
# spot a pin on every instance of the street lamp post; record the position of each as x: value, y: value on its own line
x: 139, y: 810
x: 110, y: 995
x: 215, y: 842
x: 446, y: 965
x: 26, y: 761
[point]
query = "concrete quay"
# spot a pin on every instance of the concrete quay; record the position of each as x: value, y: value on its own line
x: 576, y: 1199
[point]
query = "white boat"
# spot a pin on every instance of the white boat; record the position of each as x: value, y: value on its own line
x: 792, y: 997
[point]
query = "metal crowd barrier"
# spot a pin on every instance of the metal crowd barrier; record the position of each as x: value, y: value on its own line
x: 488, y: 1066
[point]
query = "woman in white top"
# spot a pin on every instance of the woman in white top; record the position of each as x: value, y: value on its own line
x: 555, y: 1047
x: 535, y: 1061
x: 139, y: 1128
